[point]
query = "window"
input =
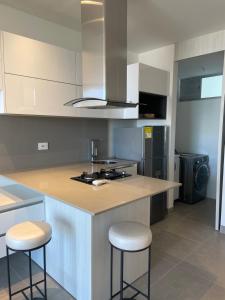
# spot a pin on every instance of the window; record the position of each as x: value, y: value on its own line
x: 211, y: 86
x: 199, y: 88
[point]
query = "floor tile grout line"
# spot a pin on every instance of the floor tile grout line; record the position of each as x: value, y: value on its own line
x: 164, y: 275
x: 211, y: 229
x: 175, y: 266
x: 180, y: 236
x: 183, y: 260
x: 188, y: 216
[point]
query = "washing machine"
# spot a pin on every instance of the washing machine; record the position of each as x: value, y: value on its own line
x: 194, y: 176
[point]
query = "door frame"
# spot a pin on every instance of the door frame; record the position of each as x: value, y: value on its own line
x: 221, y: 142
x: 220, y: 157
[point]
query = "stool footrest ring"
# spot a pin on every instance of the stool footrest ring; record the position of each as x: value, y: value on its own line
x: 134, y: 288
x: 128, y: 285
x: 28, y: 287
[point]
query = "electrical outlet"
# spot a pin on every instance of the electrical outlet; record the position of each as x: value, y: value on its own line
x: 43, y: 146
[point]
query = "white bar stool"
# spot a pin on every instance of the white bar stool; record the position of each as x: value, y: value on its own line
x: 129, y: 237
x: 27, y: 237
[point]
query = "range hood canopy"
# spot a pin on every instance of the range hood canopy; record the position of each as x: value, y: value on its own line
x: 104, y: 55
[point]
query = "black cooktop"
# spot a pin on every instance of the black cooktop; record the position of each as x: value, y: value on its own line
x: 103, y: 174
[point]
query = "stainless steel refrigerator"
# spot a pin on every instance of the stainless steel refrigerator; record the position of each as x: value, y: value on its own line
x: 147, y: 145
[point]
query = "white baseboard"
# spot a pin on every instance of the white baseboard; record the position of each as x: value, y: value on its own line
x: 222, y: 229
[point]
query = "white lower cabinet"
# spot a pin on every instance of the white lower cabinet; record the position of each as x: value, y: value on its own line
x: 2, y: 247
x: 13, y: 217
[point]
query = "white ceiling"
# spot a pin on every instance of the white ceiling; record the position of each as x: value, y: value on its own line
x: 151, y: 23
x: 63, y: 12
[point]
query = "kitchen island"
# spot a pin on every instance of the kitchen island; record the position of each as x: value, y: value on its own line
x: 78, y: 257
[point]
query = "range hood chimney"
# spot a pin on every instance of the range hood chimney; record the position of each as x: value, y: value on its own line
x: 104, y: 55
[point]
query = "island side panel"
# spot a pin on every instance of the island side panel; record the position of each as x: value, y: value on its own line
x: 135, y: 263
x: 69, y: 251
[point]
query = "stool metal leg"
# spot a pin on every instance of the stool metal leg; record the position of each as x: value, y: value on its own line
x: 45, y: 275
x: 122, y: 281
x: 9, y: 277
x: 31, y: 284
x: 121, y: 274
x: 149, y: 272
x: 111, y: 274
x: 30, y: 274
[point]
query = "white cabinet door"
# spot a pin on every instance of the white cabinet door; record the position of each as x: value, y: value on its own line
x: 153, y: 80
x: 30, y: 96
x: 1, y: 63
x: 13, y: 217
x: 28, y: 57
x: 2, y: 247
x: 133, y: 83
x: 79, y: 80
x: 144, y: 78
x: 2, y: 97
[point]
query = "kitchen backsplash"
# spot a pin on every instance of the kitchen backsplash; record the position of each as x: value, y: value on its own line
x: 69, y: 141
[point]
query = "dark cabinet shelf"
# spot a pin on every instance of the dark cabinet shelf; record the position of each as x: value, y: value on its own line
x: 152, y: 106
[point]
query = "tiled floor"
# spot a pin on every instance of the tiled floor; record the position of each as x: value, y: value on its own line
x: 188, y: 259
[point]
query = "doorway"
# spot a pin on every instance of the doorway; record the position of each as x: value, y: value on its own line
x: 199, y: 94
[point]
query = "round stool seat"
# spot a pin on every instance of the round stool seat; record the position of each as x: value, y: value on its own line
x: 28, y: 235
x: 130, y: 236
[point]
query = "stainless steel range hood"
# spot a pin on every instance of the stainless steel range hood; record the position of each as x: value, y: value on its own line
x: 104, y: 55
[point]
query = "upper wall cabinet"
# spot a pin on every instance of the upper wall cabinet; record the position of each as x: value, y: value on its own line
x: 37, y: 78
x: 79, y: 80
x: 32, y: 96
x: 31, y: 58
x: 144, y: 78
x: 153, y: 80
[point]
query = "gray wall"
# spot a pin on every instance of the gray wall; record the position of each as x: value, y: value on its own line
x: 198, y: 132
x: 68, y: 141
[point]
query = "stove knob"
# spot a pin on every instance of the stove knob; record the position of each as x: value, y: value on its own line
x: 84, y: 174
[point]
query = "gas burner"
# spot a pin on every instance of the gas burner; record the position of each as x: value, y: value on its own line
x: 112, y: 174
x: 86, y: 177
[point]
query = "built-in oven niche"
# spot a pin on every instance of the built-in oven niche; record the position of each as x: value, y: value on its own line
x: 152, y: 106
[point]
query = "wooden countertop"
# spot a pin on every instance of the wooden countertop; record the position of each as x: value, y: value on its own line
x: 55, y: 182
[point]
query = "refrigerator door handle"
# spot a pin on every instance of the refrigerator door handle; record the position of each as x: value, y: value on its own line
x: 142, y: 167
x: 166, y: 140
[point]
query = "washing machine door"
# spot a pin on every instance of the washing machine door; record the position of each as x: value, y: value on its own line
x: 201, y: 177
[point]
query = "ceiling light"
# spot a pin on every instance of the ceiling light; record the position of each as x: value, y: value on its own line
x: 90, y: 2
